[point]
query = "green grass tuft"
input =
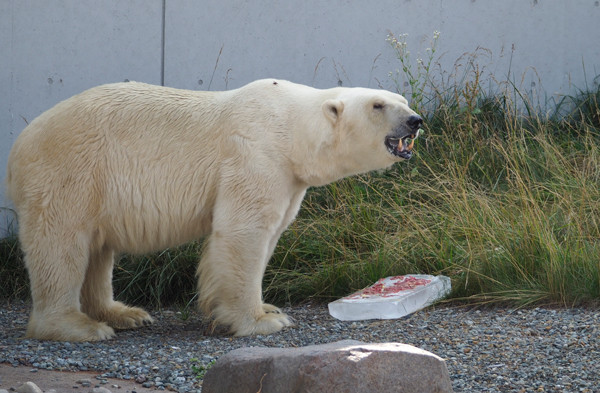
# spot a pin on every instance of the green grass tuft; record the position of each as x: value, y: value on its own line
x: 14, y: 283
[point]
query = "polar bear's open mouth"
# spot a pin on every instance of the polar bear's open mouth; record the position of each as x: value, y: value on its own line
x: 401, y: 147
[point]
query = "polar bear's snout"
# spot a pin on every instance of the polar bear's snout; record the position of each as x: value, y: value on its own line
x: 414, y: 122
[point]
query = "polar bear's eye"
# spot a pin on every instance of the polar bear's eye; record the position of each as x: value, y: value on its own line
x: 378, y: 105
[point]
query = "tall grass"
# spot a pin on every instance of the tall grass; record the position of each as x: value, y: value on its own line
x: 501, y: 198
x: 13, y: 278
x: 525, y: 233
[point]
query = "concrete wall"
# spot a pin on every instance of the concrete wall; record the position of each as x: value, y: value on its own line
x: 50, y: 50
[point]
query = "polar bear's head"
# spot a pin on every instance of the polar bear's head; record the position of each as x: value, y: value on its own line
x: 374, y: 128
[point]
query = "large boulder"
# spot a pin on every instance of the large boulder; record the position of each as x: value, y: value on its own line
x: 345, y: 366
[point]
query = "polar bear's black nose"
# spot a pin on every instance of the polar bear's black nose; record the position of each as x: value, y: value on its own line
x: 414, y: 122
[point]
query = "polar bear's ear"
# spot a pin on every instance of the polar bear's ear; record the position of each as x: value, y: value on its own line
x: 333, y: 109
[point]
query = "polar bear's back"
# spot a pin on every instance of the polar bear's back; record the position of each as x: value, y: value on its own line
x: 125, y: 158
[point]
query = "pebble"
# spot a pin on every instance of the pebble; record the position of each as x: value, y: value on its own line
x: 29, y: 387
x: 100, y: 390
x: 486, y: 350
x: 84, y: 382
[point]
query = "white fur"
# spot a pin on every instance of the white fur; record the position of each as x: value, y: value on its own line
x: 135, y: 168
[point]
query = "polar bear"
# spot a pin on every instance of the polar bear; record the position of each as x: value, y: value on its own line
x: 134, y: 168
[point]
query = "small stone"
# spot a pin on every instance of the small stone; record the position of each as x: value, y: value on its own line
x: 85, y: 382
x: 141, y: 378
x: 100, y: 390
x: 29, y: 387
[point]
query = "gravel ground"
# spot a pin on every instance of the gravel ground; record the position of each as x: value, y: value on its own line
x: 489, y: 350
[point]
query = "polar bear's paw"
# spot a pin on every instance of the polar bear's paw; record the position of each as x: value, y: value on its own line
x: 70, y: 326
x: 120, y: 316
x: 272, y: 321
x: 271, y: 309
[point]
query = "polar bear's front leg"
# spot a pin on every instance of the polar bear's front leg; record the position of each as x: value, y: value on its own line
x: 231, y: 270
x: 254, y: 205
x: 230, y: 279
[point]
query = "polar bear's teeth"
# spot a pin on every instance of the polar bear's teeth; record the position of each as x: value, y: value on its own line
x: 408, y: 142
x: 394, y: 145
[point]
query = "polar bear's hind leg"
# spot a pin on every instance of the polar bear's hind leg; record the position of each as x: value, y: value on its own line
x: 57, y: 263
x: 97, y: 295
x: 67, y: 325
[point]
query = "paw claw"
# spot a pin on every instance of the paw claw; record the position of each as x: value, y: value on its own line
x: 271, y: 321
x: 147, y: 322
x: 120, y: 316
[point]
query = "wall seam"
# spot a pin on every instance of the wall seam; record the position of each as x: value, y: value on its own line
x: 162, y: 43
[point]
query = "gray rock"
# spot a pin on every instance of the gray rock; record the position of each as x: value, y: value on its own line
x: 345, y: 366
x: 29, y: 387
x: 100, y: 390
x: 86, y: 382
x: 3, y: 391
